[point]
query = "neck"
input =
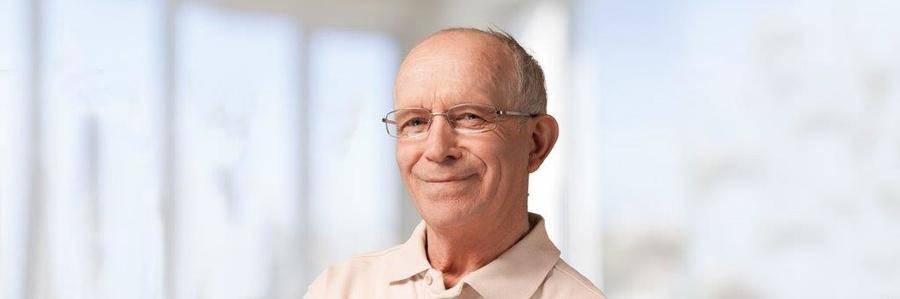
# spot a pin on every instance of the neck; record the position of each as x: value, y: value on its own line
x: 459, y: 250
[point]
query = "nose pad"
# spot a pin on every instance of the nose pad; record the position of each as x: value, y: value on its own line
x: 446, y: 121
x: 441, y: 145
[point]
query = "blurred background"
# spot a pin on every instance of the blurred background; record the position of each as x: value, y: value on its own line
x: 233, y: 149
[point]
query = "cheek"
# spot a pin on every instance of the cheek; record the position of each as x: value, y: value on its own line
x: 510, y: 152
x: 499, y: 160
x: 406, y: 157
x: 507, y: 170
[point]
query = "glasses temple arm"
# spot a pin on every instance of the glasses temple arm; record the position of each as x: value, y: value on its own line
x: 516, y: 113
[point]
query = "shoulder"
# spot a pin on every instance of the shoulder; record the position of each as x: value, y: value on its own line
x: 362, y: 263
x: 358, y: 271
x: 565, y: 281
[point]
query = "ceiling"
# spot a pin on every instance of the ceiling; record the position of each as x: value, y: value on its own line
x: 399, y: 16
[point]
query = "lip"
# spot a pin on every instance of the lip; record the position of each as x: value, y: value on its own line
x: 448, y: 180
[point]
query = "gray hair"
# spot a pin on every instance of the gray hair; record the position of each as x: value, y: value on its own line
x: 529, y: 77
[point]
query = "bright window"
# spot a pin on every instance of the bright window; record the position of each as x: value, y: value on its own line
x: 354, y: 188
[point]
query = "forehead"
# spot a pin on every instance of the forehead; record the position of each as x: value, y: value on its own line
x: 439, y: 74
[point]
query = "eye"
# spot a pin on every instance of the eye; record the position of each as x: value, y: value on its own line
x: 415, y: 122
x: 470, y: 116
x: 470, y: 120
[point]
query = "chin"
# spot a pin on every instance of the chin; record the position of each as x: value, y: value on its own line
x: 461, y: 190
x: 446, y: 219
x: 449, y: 212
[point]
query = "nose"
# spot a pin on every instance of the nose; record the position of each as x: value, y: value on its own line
x: 441, y: 143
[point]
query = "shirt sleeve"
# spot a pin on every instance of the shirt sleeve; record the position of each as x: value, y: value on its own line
x: 317, y: 288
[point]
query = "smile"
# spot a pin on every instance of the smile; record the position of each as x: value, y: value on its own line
x: 448, y: 180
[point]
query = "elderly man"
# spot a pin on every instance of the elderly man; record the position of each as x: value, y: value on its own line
x: 471, y: 124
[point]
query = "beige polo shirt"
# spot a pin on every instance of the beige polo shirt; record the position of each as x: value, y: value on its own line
x: 531, y: 268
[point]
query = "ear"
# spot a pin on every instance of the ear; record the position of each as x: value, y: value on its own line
x: 543, y: 137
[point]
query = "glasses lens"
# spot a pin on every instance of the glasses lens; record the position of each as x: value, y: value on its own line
x: 408, y: 122
x: 473, y: 118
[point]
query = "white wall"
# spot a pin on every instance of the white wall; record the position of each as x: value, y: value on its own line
x: 187, y: 149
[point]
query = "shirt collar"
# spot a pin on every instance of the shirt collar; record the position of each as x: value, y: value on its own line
x: 516, y: 273
x: 409, y: 259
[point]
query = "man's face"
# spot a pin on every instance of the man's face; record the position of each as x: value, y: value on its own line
x: 456, y: 178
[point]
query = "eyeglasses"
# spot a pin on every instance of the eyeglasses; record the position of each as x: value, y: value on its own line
x: 413, y: 123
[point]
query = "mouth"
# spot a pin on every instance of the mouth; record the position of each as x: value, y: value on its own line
x: 448, y: 179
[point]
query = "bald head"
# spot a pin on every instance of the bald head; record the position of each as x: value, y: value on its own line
x: 456, y: 61
x: 470, y: 168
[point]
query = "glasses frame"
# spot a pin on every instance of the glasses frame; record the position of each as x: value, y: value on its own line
x: 499, y: 117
